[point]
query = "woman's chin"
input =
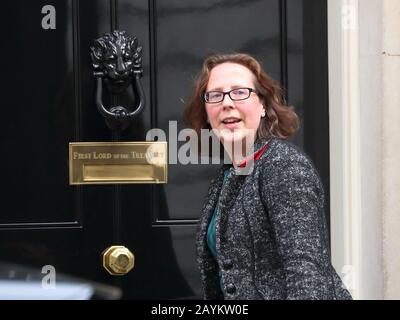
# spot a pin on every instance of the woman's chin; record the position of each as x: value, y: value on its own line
x: 231, y: 136
x: 235, y: 136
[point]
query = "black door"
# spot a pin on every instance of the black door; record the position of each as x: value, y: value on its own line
x: 48, y: 100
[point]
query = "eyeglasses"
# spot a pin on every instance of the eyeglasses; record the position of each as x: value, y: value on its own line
x: 236, y: 94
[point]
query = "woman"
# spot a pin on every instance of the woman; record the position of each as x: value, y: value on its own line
x: 262, y: 235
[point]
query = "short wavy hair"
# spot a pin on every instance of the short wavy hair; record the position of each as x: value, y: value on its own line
x: 280, y: 121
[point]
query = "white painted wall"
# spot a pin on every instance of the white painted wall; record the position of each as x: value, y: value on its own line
x: 370, y: 42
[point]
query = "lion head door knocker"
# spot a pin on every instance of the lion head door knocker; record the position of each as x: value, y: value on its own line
x: 117, y: 62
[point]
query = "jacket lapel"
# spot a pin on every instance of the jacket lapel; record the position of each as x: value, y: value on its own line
x: 228, y: 196
x: 208, y: 267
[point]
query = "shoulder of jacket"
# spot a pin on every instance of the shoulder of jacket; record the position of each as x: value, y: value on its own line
x: 287, y: 162
x: 282, y: 154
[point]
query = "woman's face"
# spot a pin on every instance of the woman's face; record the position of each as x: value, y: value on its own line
x: 233, y: 120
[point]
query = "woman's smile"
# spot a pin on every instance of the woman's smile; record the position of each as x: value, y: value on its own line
x: 232, y: 123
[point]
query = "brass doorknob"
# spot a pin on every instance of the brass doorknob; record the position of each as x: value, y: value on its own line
x: 118, y: 260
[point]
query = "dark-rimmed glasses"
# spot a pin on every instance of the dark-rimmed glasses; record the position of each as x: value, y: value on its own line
x: 236, y: 94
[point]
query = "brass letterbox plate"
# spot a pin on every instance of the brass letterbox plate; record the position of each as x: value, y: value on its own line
x: 117, y: 162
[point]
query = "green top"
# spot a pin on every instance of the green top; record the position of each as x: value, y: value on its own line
x: 211, y: 237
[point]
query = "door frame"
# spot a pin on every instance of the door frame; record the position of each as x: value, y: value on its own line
x: 355, y: 95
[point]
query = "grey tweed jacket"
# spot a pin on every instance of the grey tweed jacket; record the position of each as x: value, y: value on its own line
x: 271, y: 233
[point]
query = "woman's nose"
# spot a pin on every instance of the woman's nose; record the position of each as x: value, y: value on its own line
x: 227, y: 101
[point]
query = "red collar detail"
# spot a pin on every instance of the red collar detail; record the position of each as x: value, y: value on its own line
x: 256, y: 155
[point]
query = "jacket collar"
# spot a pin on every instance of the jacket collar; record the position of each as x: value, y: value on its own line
x: 260, y: 146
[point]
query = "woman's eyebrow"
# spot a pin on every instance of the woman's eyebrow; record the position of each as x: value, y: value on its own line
x: 215, y: 89
x: 240, y: 86
x: 235, y: 86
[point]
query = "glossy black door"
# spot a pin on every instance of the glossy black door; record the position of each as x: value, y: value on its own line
x: 48, y: 101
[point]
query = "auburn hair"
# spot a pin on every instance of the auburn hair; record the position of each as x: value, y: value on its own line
x: 280, y: 121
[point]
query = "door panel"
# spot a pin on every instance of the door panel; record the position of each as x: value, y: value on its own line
x: 49, y: 101
x: 37, y: 122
